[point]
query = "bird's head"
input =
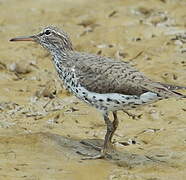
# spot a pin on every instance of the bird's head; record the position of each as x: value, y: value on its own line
x: 50, y: 38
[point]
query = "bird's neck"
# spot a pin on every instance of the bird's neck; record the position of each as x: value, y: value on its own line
x: 59, y: 53
x: 60, y: 58
x: 60, y: 50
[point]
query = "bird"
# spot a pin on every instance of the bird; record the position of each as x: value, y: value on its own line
x: 105, y: 83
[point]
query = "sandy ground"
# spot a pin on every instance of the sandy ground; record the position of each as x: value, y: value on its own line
x: 42, y: 127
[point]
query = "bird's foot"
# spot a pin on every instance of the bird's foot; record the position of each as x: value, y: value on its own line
x: 91, y: 152
x: 101, y: 155
x: 87, y: 143
x: 98, y: 156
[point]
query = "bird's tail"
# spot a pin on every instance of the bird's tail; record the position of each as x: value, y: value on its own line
x: 173, y: 88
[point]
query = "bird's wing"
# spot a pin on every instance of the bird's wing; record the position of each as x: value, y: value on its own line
x: 105, y: 75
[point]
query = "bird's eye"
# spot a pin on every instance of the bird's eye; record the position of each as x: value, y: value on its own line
x: 47, y: 32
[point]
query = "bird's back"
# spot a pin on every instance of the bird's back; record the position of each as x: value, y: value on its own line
x: 105, y: 75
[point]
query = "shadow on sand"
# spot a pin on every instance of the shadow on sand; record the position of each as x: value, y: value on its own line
x: 69, y: 148
x: 74, y: 148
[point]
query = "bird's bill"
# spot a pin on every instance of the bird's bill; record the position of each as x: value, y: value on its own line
x: 23, y: 38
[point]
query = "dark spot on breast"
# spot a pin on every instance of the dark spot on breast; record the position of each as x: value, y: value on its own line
x: 77, y: 91
x: 105, y: 108
x: 83, y: 93
x: 108, y: 99
x: 133, y: 77
x: 101, y: 100
x: 96, y: 106
x: 117, y: 102
x: 127, y: 98
x: 94, y: 97
x: 88, y: 100
x: 58, y: 65
x: 125, y: 75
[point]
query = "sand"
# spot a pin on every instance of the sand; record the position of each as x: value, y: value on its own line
x: 42, y: 126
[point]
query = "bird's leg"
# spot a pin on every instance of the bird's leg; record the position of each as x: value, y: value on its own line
x: 115, y: 124
x: 111, y: 128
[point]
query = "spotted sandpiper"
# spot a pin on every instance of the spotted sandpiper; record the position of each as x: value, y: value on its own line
x: 107, y: 84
